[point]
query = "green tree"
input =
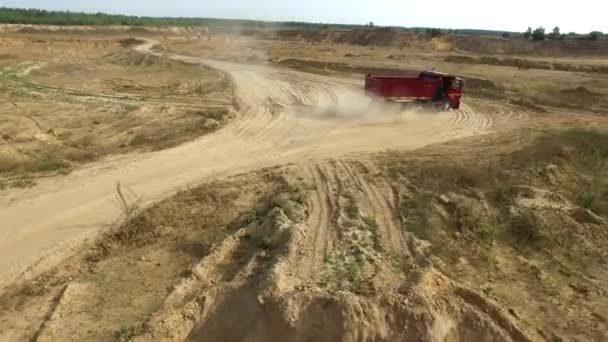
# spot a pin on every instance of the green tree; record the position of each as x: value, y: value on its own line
x: 538, y: 34
x: 528, y: 33
x: 572, y: 35
x: 555, y: 34
x: 434, y: 32
x: 595, y: 35
x: 506, y: 35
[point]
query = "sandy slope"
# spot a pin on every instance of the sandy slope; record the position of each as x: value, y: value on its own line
x: 284, y: 116
x: 279, y: 297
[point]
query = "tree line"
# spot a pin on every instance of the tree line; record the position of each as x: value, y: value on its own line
x: 539, y: 34
x: 65, y: 18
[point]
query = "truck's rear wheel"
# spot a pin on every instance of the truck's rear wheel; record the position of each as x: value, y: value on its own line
x: 442, y: 106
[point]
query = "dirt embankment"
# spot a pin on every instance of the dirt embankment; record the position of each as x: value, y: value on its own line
x: 508, y: 248
x: 391, y: 37
x: 365, y: 37
x: 320, y: 259
x: 101, y: 30
x: 527, y: 64
x: 518, y: 46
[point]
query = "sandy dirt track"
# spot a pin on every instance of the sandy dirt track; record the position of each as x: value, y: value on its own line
x: 284, y: 116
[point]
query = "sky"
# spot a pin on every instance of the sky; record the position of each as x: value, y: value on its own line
x: 580, y: 16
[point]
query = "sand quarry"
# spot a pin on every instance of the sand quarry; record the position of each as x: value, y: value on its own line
x: 182, y: 184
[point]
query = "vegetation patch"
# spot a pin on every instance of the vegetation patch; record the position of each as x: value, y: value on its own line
x: 527, y: 229
x: 353, y: 262
x: 128, y: 333
x: 48, y: 160
x: 415, y: 214
x: 483, y: 201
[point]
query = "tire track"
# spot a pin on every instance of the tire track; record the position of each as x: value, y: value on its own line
x: 321, y: 208
x: 381, y: 210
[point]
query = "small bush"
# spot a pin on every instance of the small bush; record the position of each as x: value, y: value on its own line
x: 502, y: 194
x: 270, y: 239
x: 135, y: 227
x: 475, y: 221
x: 527, y: 228
x: 50, y: 160
x: 352, y: 210
x: 415, y: 215
x: 372, y: 225
x: 595, y: 199
x: 289, y: 207
x: 370, y: 222
x: 128, y: 333
x: 354, y: 272
x: 291, y: 200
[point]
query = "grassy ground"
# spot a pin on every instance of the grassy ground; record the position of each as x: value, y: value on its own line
x: 532, y: 220
x: 579, y: 156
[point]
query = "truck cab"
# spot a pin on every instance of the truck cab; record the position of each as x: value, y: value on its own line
x: 450, y: 87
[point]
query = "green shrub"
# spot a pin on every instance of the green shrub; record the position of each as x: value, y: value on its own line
x: 595, y: 200
x: 527, y: 228
x: 128, y: 333
x: 475, y: 221
x: 415, y: 215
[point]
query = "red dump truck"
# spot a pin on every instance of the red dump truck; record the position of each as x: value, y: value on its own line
x: 430, y: 88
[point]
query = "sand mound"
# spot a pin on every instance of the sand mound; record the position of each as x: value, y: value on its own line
x: 430, y: 308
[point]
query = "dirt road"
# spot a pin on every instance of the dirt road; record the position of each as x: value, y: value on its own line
x: 284, y: 116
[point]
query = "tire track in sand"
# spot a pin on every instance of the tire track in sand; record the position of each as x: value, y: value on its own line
x: 318, y: 224
x: 382, y: 211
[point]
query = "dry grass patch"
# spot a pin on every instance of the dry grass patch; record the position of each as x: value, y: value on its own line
x: 528, y: 228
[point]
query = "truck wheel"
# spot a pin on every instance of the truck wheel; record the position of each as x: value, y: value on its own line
x: 445, y: 106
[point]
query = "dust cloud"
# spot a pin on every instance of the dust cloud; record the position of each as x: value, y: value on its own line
x: 351, y: 105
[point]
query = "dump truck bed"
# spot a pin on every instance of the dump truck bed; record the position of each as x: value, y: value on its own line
x: 400, y: 87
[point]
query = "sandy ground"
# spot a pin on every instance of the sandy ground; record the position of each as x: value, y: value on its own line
x: 336, y: 264
x: 286, y: 116
x: 66, y: 101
